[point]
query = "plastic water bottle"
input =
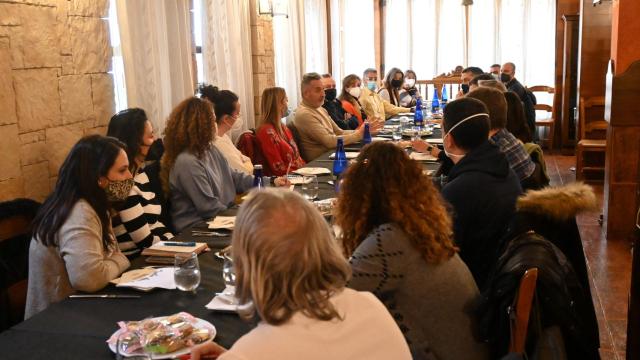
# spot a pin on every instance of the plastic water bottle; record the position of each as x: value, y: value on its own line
x: 366, y: 137
x: 418, y: 118
x: 435, y: 103
x: 339, y: 163
x: 257, y: 176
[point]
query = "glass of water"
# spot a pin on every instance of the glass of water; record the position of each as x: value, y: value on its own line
x: 309, y: 187
x: 228, y: 271
x: 396, y: 133
x: 187, y: 272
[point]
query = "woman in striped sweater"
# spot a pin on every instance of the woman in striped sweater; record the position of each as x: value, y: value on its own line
x: 136, y: 221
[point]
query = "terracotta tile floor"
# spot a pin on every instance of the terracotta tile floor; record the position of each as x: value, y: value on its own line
x: 609, y: 264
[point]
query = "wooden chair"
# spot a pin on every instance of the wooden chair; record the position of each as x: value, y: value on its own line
x: 520, y: 311
x: 452, y: 81
x: 548, y: 121
x: 592, y: 129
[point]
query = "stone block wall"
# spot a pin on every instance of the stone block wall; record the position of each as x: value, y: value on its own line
x: 264, y: 75
x: 54, y: 88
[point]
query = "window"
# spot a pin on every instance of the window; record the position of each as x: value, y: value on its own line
x: 197, y: 34
x: 117, y: 69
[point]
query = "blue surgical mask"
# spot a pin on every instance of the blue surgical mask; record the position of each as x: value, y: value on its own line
x: 371, y: 85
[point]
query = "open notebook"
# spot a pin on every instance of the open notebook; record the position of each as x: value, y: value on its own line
x: 162, y: 249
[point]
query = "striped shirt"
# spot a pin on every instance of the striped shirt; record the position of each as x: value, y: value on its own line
x: 514, y: 151
x: 136, y: 222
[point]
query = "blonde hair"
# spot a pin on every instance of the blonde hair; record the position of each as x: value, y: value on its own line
x: 271, y: 98
x: 285, y: 257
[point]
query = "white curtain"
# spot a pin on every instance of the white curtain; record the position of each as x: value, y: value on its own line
x: 352, y: 38
x: 429, y: 36
x: 226, y: 41
x: 156, y: 49
x: 315, y: 30
x: 289, y: 50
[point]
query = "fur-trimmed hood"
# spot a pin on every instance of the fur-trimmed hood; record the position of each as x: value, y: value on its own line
x: 560, y: 203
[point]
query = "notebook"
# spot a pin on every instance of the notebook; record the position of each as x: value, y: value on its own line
x: 161, y: 249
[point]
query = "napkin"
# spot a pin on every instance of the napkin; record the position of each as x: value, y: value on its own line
x: 222, y: 222
x: 224, y: 301
x: 422, y: 156
x: 312, y: 171
x: 350, y: 155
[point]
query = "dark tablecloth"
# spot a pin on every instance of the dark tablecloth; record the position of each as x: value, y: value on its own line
x: 78, y: 328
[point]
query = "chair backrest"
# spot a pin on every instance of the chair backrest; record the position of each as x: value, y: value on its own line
x: 248, y: 145
x: 543, y: 89
x: 520, y: 311
x: 451, y: 81
x: 296, y: 136
x: 591, y: 121
x: 15, y: 235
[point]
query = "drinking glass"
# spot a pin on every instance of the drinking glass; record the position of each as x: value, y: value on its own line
x: 396, y: 133
x: 187, y: 272
x: 309, y: 187
x: 228, y: 271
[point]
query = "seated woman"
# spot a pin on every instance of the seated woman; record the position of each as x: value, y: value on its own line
x: 397, y: 233
x: 290, y: 271
x: 73, y: 247
x: 482, y: 187
x: 392, y: 86
x: 194, y: 172
x: 136, y: 221
x: 351, y: 87
x: 275, y: 140
x: 516, y: 118
x: 409, y: 92
x: 227, y: 110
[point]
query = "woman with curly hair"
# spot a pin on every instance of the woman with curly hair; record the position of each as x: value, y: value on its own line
x: 398, y: 235
x: 194, y: 172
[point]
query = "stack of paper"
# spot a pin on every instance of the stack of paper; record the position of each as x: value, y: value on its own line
x: 168, y: 248
x: 222, y: 222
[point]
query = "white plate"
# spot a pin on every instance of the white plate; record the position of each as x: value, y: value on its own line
x: 199, y: 324
x: 312, y: 171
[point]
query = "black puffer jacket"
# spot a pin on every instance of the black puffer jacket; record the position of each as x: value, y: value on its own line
x: 560, y: 299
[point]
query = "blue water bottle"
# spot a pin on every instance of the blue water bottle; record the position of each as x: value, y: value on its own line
x: 445, y: 97
x: 257, y: 177
x: 418, y: 117
x: 339, y: 163
x: 366, y: 137
x: 435, y: 103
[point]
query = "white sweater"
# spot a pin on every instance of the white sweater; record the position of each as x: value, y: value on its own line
x: 367, y: 331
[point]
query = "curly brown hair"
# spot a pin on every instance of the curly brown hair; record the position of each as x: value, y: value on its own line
x: 191, y: 127
x: 386, y: 186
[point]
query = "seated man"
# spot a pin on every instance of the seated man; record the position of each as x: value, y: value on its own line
x: 513, y: 149
x: 467, y: 75
x: 508, y: 77
x: 495, y: 69
x: 318, y: 133
x: 482, y: 188
x: 374, y: 106
x: 344, y: 120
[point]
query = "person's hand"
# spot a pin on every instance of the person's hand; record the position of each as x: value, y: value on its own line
x: 281, y: 181
x: 209, y: 350
x: 435, y: 151
x: 374, y: 127
x: 413, y: 109
x: 420, y: 146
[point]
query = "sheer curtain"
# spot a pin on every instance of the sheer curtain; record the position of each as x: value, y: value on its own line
x: 352, y: 38
x: 315, y: 30
x: 226, y: 45
x: 156, y: 42
x: 289, y: 50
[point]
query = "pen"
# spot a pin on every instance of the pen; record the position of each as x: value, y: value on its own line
x: 179, y: 244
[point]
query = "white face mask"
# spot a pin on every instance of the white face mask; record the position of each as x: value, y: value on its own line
x: 458, y: 156
x: 354, y: 91
x: 410, y: 82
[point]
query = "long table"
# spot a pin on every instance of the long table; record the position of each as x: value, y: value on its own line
x: 79, y: 328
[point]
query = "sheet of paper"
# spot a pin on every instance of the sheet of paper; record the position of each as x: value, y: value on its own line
x: 160, y: 278
x: 422, y: 156
x: 222, y: 222
x: 350, y: 155
x: 224, y: 301
x: 434, y: 141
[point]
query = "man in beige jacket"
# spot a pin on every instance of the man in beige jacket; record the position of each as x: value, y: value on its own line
x: 375, y: 106
x: 318, y: 133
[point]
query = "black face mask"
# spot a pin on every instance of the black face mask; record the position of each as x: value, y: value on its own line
x: 330, y: 94
x: 505, y: 78
x: 465, y: 88
x: 396, y: 83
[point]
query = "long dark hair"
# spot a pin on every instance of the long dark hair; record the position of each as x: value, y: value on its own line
x: 89, y: 159
x: 224, y: 101
x: 394, y: 93
x: 128, y: 127
x: 516, y: 119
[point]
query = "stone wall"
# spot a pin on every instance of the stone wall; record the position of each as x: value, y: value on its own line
x: 54, y: 87
x: 261, y: 55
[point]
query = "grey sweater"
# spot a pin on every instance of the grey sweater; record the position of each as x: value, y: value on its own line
x: 431, y: 303
x: 78, y: 263
x: 201, y: 188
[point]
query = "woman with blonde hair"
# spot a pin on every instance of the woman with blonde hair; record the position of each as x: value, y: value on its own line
x: 398, y: 235
x: 276, y: 141
x: 291, y: 271
x: 194, y: 172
